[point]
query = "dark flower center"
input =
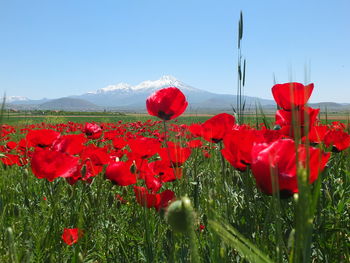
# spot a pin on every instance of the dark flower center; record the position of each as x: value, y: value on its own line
x: 164, y: 116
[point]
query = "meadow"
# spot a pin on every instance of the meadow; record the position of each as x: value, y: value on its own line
x: 168, y: 188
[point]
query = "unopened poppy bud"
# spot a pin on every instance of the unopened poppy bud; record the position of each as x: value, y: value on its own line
x: 180, y: 215
x: 83, y: 171
x: 296, y: 197
x: 133, y: 168
x: 277, y: 127
x: 81, y: 257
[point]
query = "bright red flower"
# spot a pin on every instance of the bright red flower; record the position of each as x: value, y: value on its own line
x: 303, y: 117
x: 166, y: 104
x: 119, y: 143
x: 215, y: 129
x: 279, y: 159
x: 71, y: 143
x: 97, y: 155
x: 338, y: 139
x: 52, y: 164
x: 145, y: 198
x: 178, y: 155
x: 144, y: 147
x: 337, y: 125
x: 201, y: 228
x: 164, y: 198
x: 238, y: 146
x: 12, y: 159
x: 41, y: 138
x: 194, y: 143
x: 71, y: 236
x: 196, y: 129
x: 164, y: 170
x: 119, y: 173
x: 153, y: 183
x: 11, y: 145
x: 92, y: 130
x: 149, y: 200
x: 317, y: 133
x: 292, y: 95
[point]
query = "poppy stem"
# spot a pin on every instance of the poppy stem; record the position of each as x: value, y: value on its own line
x: 149, y: 251
x: 168, y: 151
x: 11, y: 242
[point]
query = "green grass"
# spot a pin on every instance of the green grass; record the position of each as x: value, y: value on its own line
x: 15, y: 120
x: 252, y: 119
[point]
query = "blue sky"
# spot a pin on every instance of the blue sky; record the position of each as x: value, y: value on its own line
x: 59, y: 48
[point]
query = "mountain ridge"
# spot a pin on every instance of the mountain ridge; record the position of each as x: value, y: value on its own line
x: 123, y: 96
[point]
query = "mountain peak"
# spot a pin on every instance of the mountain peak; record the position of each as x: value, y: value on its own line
x: 109, y: 88
x: 168, y: 78
x: 10, y: 99
x: 145, y: 86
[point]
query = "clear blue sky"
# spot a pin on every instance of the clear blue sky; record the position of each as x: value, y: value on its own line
x: 64, y: 47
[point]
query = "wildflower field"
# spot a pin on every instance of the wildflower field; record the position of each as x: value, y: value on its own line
x: 169, y: 189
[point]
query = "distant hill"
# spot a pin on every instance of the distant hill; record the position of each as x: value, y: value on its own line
x: 127, y: 98
x: 69, y: 104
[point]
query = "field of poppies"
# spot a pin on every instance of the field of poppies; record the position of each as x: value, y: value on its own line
x: 161, y: 190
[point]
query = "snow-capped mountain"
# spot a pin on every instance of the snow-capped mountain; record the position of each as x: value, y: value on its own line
x: 11, y: 99
x: 146, y: 86
x: 119, y: 87
x: 126, y: 97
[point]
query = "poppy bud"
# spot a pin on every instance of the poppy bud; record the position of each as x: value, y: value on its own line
x: 133, y: 168
x: 277, y: 127
x: 180, y: 215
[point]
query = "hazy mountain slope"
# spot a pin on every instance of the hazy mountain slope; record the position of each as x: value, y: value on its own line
x: 69, y: 104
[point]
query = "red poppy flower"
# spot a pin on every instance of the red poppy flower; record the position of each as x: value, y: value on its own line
x: 92, y: 130
x: 12, y: 159
x: 119, y: 143
x: 149, y: 200
x: 119, y: 173
x: 302, y: 116
x: 340, y: 140
x: 144, y: 147
x: 71, y: 236
x: 238, y: 146
x: 167, y: 103
x: 337, y: 125
x: 291, y: 95
x: 52, y: 164
x: 164, y: 198
x: 11, y: 145
x: 178, y: 155
x: 305, y: 116
x: 152, y: 182
x: 215, y: 129
x: 41, y: 138
x: 279, y: 159
x: 145, y: 198
x: 317, y: 133
x: 71, y: 143
x: 194, y: 143
x: 164, y: 170
x: 196, y: 129
x: 97, y: 155
x: 201, y: 228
